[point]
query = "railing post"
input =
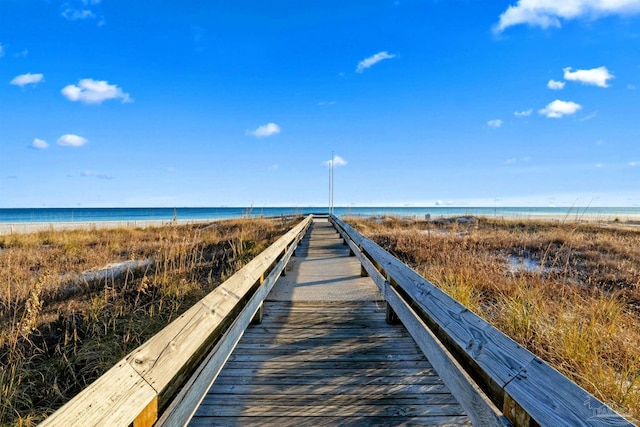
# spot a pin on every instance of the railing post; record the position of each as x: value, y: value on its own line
x: 257, y: 318
x: 391, y: 316
x: 148, y: 416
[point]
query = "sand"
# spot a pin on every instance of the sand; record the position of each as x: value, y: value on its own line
x: 30, y: 227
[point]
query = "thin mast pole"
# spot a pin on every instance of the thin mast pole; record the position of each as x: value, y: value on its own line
x: 329, y: 205
x: 333, y: 183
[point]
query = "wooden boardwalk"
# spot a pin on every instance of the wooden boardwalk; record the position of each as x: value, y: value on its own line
x: 324, y: 354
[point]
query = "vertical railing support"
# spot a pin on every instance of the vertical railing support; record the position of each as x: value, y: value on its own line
x: 257, y: 318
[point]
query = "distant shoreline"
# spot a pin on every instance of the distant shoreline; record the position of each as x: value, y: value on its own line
x: 31, y: 227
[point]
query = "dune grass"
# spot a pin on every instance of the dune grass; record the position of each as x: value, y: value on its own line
x: 60, y: 331
x: 568, y: 292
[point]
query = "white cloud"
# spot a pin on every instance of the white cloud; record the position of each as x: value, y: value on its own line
x: 265, y: 130
x: 634, y: 164
x: 325, y: 103
x: 27, y: 79
x: 555, y: 85
x: 274, y: 167
x: 631, y: 87
x: 39, y: 143
x: 558, y: 109
x: 510, y: 161
x: 494, y: 124
x: 77, y: 14
x: 72, y: 140
x: 595, y: 76
x: 548, y: 13
x: 372, y: 60
x: 1, y: 50
x: 22, y: 54
x: 94, y: 92
x: 525, y: 113
x: 337, y: 161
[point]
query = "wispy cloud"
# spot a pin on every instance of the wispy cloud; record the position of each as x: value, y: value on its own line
x: 74, y: 10
x: 372, y: 60
x: 27, y: 79
x: 265, y: 130
x: 494, y: 124
x: 595, y: 76
x: 39, y: 144
x: 274, y: 167
x: 510, y: 161
x: 326, y: 103
x: 549, y: 13
x: 589, y: 116
x: 1, y: 50
x: 631, y: 87
x: 524, y: 113
x: 555, y: 85
x: 94, y: 174
x: 336, y: 161
x: 558, y: 109
x: 23, y: 54
x: 92, y: 91
x: 72, y: 140
x: 634, y: 164
x: 77, y: 14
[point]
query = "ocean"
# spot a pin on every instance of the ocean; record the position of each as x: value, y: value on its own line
x: 57, y: 215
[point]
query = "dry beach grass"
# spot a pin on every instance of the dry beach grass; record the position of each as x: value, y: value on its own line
x: 63, y: 322
x: 569, y: 292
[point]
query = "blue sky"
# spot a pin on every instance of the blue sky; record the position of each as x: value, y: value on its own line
x: 239, y: 103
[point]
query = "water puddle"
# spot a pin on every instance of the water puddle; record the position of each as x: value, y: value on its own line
x: 519, y: 264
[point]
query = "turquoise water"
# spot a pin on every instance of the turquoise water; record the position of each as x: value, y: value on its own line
x: 166, y: 214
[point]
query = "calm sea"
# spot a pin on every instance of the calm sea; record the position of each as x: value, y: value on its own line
x: 52, y: 215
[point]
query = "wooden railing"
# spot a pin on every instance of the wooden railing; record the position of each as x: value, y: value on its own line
x: 469, y: 353
x: 191, y: 349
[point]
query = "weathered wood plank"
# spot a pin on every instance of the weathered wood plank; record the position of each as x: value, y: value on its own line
x: 550, y: 399
x: 338, y: 399
x: 121, y: 390
x: 319, y: 332
x: 325, y: 372
x: 328, y: 380
x: 325, y: 340
x: 289, y: 365
x: 328, y: 390
x: 362, y: 421
x: 330, y: 410
x: 326, y: 357
x: 339, y: 347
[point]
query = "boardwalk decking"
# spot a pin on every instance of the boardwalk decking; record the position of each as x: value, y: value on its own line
x: 324, y: 355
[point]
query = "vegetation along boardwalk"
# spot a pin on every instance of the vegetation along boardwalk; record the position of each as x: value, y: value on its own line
x: 342, y: 333
x: 325, y: 354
